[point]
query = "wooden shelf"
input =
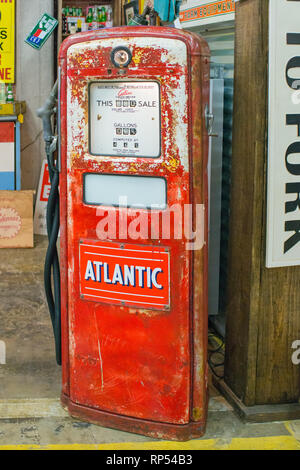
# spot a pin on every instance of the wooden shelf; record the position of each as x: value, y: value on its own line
x: 117, y: 6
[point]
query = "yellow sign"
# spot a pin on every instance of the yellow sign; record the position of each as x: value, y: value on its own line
x: 7, y: 41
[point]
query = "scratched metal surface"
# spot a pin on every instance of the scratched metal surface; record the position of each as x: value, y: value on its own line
x: 135, y: 362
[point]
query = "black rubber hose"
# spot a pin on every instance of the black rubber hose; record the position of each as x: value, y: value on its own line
x: 52, y: 271
x: 52, y: 268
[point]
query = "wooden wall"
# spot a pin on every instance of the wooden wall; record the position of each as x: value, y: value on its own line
x: 263, y: 305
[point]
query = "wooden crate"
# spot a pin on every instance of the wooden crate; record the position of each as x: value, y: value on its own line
x: 16, y: 219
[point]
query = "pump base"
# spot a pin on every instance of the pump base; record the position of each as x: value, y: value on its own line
x: 153, y: 429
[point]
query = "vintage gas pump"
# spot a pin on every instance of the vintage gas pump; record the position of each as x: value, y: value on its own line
x: 133, y: 173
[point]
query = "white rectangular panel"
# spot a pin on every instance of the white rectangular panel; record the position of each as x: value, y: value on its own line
x: 125, y: 119
x: 7, y: 156
x: 119, y: 190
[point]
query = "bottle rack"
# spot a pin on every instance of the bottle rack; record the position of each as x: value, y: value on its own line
x: 117, y: 6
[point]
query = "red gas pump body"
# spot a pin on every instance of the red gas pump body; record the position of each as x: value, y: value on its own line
x: 134, y: 355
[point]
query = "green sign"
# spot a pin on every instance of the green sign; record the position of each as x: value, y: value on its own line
x: 42, y: 31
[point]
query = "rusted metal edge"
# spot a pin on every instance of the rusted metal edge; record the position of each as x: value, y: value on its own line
x: 195, y: 47
x: 174, y: 432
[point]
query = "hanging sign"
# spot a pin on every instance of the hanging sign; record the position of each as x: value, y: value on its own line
x: 283, y: 206
x: 42, y: 31
x: 7, y: 41
x: 197, y: 12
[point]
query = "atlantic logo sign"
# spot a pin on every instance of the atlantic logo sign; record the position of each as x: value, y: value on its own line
x: 124, y: 274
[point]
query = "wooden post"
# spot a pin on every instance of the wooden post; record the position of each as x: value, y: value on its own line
x: 263, y: 305
x: 58, y: 5
x: 118, y: 12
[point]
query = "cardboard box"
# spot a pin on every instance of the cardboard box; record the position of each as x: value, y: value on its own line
x: 16, y: 108
x: 16, y: 219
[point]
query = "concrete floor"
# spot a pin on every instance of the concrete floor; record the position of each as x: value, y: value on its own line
x: 30, y: 411
x: 25, y: 326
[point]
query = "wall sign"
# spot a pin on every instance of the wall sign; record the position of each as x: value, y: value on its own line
x: 42, y: 31
x: 197, y: 12
x: 128, y: 115
x: 283, y: 206
x: 7, y: 41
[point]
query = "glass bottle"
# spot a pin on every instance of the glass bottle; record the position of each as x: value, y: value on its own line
x: 2, y: 93
x: 89, y: 18
x: 10, y: 95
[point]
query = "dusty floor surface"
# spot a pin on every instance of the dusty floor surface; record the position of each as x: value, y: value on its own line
x: 30, y: 411
x: 25, y: 327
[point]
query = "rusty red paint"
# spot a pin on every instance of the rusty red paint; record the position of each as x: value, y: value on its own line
x: 125, y: 367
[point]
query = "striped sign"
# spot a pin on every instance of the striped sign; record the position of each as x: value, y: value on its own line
x: 7, y: 155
